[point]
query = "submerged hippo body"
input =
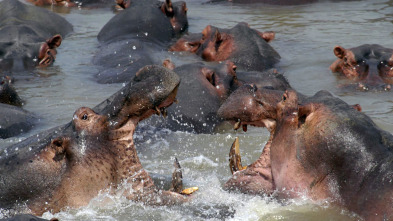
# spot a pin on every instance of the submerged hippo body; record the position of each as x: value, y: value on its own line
x: 246, y: 47
x: 325, y: 149
x: 29, y: 35
x: 68, y: 165
x: 370, y: 66
x: 136, y: 37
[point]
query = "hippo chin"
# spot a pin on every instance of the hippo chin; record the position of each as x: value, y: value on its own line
x: 68, y: 165
x: 322, y: 148
x: 369, y: 66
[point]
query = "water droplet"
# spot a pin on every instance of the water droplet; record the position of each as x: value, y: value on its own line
x: 134, y: 47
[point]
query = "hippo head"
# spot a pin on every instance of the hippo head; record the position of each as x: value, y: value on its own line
x: 249, y: 105
x: 177, y: 14
x: 371, y: 66
x: 15, y: 56
x: 67, y: 166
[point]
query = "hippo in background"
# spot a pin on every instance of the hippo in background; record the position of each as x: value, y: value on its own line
x: 68, y: 165
x: 204, y: 88
x: 13, y: 120
x: 320, y: 147
x: 369, y: 66
x: 29, y: 36
x: 137, y: 36
x: 246, y: 47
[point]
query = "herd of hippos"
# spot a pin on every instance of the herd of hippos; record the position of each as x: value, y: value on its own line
x: 319, y: 145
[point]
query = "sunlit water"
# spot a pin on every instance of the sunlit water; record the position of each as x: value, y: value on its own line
x: 305, y: 37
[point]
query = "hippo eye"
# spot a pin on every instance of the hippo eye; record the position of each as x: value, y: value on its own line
x: 84, y: 117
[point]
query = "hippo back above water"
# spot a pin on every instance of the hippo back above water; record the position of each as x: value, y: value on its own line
x: 29, y: 35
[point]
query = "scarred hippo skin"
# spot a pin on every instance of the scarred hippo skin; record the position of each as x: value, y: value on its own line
x: 137, y: 36
x: 325, y: 149
x: 29, y: 35
x: 246, y: 47
x: 370, y: 66
x: 68, y: 165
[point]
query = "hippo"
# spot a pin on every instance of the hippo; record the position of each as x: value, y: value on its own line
x: 29, y: 36
x: 246, y: 47
x: 26, y: 217
x: 137, y: 36
x: 68, y: 165
x: 204, y: 88
x: 369, y: 66
x: 8, y: 94
x: 320, y: 147
x: 13, y: 120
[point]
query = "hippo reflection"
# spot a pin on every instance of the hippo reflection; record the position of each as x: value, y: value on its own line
x: 29, y: 35
x: 68, y: 165
x: 319, y: 147
x: 369, y: 65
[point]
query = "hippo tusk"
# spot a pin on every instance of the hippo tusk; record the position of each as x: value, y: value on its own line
x: 164, y: 113
x: 176, y: 101
x: 245, y: 127
x: 237, y: 125
x: 189, y: 191
x: 158, y: 111
x: 235, y: 161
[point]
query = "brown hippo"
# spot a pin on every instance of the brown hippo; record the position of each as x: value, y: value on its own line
x: 371, y: 66
x: 322, y: 148
x: 68, y: 165
x: 246, y: 47
x: 29, y: 35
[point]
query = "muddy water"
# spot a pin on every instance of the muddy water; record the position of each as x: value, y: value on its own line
x: 305, y: 37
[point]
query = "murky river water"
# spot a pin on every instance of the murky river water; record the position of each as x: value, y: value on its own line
x: 305, y: 37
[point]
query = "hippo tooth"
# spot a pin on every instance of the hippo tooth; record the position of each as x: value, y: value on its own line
x: 176, y: 101
x: 237, y: 125
x: 158, y: 111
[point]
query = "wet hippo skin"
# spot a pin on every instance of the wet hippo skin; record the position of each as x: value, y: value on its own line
x: 68, y: 165
x: 320, y: 147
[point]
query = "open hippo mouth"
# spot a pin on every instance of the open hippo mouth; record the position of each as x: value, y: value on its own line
x: 249, y: 105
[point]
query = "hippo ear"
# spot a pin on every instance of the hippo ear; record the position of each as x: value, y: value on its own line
x: 357, y: 107
x: 304, y: 111
x: 210, y: 75
x: 168, y: 64
x: 206, y: 32
x: 54, y: 41
x: 339, y: 52
x: 167, y: 8
x: 268, y: 36
x: 59, y: 146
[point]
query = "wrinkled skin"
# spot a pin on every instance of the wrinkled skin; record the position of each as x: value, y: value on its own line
x: 324, y: 149
x: 370, y: 66
x: 29, y: 36
x: 246, y: 47
x: 137, y: 36
x: 68, y: 165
